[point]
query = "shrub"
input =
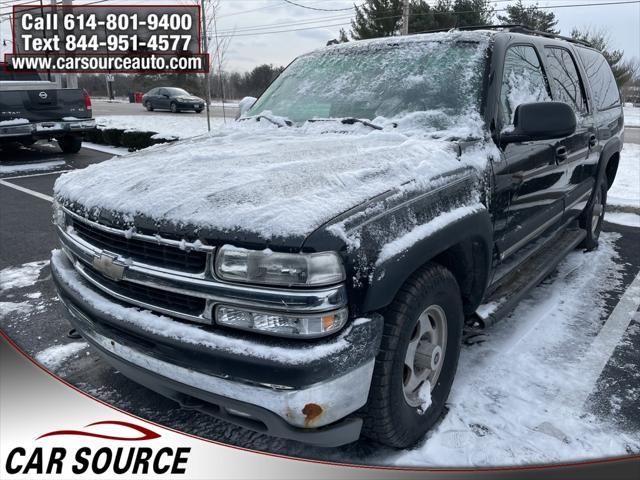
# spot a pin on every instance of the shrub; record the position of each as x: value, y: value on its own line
x: 137, y: 140
x: 113, y: 136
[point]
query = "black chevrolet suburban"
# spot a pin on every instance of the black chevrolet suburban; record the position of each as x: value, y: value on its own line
x: 310, y: 271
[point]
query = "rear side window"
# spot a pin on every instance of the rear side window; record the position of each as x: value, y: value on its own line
x: 601, y: 79
x: 565, y: 81
x: 523, y: 81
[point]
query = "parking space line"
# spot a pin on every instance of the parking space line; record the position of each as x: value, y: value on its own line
x: 595, y: 360
x: 38, y: 174
x: 28, y: 191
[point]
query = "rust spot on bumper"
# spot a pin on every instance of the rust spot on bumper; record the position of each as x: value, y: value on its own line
x: 311, y: 412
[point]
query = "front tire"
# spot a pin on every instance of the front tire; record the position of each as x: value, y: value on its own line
x: 148, y: 106
x: 593, y: 216
x: 70, y: 144
x: 421, y: 343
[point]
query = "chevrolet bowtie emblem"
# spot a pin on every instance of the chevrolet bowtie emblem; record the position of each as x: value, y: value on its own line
x: 109, y: 266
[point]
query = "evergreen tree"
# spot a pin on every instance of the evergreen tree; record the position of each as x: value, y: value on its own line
x: 381, y: 18
x: 531, y: 16
x: 376, y: 18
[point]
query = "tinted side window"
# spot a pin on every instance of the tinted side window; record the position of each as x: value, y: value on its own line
x: 565, y: 81
x: 601, y: 79
x: 523, y: 81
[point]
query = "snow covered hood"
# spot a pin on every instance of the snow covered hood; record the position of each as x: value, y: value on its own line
x: 254, y: 177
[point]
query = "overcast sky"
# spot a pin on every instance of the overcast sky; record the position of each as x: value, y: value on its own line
x: 249, y: 19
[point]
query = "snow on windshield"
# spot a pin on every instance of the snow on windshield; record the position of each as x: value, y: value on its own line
x: 440, y: 75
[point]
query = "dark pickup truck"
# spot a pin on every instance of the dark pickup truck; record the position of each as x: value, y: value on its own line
x: 33, y: 109
x: 308, y: 272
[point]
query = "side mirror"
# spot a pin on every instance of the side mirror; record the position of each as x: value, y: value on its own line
x: 541, y: 121
x: 245, y: 104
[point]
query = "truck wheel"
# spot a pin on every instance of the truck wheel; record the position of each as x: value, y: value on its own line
x: 174, y: 108
x: 70, y: 144
x: 593, y: 217
x: 417, y: 360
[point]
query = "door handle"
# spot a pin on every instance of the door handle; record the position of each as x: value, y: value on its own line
x: 561, y: 154
x: 593, y: 141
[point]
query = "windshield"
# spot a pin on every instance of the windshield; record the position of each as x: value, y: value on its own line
x: 177, y: 91
x: 379, y: 80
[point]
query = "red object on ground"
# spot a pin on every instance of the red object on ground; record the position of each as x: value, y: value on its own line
x: 139, y: 97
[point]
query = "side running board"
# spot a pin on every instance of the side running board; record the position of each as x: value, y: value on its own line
x: 517, y: 284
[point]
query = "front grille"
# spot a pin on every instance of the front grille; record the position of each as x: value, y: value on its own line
x: 165, y: 256
x: 160, y: 298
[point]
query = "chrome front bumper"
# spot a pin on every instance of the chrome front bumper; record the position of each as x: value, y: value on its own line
x: 339, y: 369
x: 47, y: 128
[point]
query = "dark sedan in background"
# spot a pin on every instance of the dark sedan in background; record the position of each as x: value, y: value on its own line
x: 170, y: 98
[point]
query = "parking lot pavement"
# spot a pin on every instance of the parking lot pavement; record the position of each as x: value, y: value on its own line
x: 524, y: 370
x: 25, y: 190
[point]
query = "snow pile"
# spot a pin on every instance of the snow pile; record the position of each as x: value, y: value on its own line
x: 54, y: 357
x: 22, y: 276
x: 512, y: 401
x: 13, y: 121
x: 31, y: 167
x: 166, y: 126
x: 625, y: 191
x: 194, y: 334
x: 631, y: 116
x: 257, y: 177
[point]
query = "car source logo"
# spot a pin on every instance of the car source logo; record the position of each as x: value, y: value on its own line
x: 43, y: 95
x: 108, y: 266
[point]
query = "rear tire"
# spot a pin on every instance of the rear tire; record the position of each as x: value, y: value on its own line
x: 174, y: 108
x: 198, y: 110
x: 592, y: 218
x: 70, y: 144
x: 394, y: 412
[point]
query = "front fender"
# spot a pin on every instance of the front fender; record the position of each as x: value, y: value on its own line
x: 468, y: 235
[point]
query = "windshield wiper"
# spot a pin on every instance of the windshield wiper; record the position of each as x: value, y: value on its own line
x: 276, y: 121
x: 347, y: 121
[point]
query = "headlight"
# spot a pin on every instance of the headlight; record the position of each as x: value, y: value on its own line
x: 313, y: 325
x: 272, y: 268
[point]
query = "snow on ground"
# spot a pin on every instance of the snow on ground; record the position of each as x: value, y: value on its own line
x: 15, y: 307
x: 166, y: 126
x: 508, y: 405
x: 632, y: 116
x: 623, y: 218
x: 55, y: 356
x: 625, y: 191
x: 31, y: 167
x: 22, y: 276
